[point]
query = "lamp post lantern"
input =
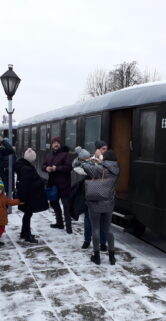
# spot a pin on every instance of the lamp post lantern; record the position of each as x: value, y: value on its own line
x: 10, y: 82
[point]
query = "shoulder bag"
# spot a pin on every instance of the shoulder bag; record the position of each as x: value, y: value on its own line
x: 98, y: 189
x: 51, y: 193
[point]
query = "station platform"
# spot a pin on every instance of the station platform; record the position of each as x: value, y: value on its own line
x: 55, y: 280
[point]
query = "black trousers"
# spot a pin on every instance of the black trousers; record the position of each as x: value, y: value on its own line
x: 26, y: 223
x: 58, y: 211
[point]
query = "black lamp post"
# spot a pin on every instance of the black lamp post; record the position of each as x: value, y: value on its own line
x: 10, y: 82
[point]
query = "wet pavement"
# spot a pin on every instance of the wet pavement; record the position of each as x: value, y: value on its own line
x: 55, y: 280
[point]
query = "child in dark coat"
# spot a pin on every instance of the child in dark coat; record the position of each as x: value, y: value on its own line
x: 4, y: 202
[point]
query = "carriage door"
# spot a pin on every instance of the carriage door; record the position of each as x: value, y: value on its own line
x: 144, y: 193
x: 121, y: 128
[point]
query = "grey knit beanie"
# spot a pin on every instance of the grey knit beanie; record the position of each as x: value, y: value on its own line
x: 82, y: 153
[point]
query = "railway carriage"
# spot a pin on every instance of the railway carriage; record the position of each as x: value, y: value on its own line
x: 133, y: 122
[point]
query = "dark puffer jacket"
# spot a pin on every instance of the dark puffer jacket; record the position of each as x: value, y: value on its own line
x: 111, y: 169
x: 5, y: 150
x: 30, y: 187
x: 61, y: 178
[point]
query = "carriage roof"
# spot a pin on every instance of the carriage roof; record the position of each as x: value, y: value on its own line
x: 128, y: 97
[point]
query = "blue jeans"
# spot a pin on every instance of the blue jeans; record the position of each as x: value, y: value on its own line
x: 104, y: 220
x: 88, y: 230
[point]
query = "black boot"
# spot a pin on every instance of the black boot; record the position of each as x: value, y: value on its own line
x: 67, y: 217
x: 23, y: 232
x: 30, y: 238
x: 69, y: 229
x: 56, y: 225
x: 23, y: 235
x: 96, y: 257
x: 85, y: 245
x: 111, y: 257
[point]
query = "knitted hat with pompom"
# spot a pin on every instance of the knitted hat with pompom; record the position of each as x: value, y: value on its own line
x: 30, y: 155
x: 82, y: 153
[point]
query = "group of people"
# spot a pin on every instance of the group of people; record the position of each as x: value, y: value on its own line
x: 31, y: 195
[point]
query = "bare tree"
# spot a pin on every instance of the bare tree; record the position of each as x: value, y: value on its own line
x: 147, y: 76
x: 82, y: 99
x: 97, y: 83
x: 124, y: 75
x: 5, y: 119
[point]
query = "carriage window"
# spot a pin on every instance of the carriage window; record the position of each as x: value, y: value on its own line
x: 26, y: 140
x: 20, y: 138
x: 55, y: 130
x: 33, y: 137
x: 43, y: 131
x: 92, y: 132
x: 70, y: 138
x: 147, y: 134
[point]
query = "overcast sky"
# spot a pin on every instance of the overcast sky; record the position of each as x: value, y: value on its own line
x: 55, y: 44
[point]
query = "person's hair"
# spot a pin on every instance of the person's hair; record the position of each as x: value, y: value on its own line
x: 100, y: 143
x: 109, y: 155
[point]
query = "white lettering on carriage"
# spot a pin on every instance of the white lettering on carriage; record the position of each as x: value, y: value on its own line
x: 163, y: 123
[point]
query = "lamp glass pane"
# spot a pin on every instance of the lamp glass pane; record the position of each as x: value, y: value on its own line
x: 12, y: 85
x: 5, y: 84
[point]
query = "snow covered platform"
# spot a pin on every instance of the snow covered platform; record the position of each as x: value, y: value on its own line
x: 55, y: 280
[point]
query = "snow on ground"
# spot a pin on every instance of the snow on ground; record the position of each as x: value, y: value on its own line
x: 55, y: 280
